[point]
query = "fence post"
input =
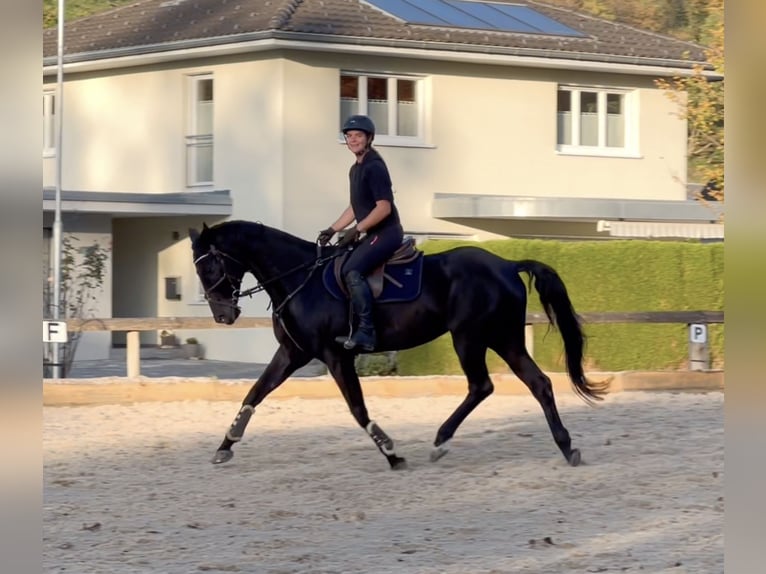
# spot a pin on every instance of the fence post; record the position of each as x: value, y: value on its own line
x: 699, y: 352
x: 133, y: 354
x: 529, y: 339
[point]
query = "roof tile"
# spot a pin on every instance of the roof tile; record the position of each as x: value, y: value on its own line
x: 158, y: 24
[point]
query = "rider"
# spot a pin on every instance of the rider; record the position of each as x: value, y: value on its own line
x: 377, y: 233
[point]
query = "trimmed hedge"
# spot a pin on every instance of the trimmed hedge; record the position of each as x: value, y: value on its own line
x: 617, y: 275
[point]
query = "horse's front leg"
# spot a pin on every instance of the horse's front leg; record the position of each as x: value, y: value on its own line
x: 285, y: 362
x: 341, y: 367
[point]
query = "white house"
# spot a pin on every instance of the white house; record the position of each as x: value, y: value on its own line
x: 495, y: 118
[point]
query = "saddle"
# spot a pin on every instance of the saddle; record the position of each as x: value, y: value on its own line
x: 398, y: 279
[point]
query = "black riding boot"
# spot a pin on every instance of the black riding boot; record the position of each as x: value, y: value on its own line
x: 361, y: 302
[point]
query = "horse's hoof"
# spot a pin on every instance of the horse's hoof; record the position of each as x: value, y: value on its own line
x: 439, y: 451
x: 222, y: 456
x: 399, y: 464
x: 574, y: 457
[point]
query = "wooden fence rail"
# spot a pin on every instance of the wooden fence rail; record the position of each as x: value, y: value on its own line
x: 173, y: 323
x: 133, y: 325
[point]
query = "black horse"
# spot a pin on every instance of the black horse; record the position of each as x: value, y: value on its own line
x: 477, y: 296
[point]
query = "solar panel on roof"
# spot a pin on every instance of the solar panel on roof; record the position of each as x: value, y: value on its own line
x: 452, y: 15
x: 407, y: 11
x: 474, y: 15
x: 534, y: 18
x: 492, y: 16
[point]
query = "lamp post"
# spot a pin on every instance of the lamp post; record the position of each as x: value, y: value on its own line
x: 58, y: 109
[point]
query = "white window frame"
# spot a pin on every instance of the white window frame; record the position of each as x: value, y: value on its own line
x: 630, y: 149
x: 49, y: 123
x: 422, y: 90
x: 199, y: 294
x: 193, y: 139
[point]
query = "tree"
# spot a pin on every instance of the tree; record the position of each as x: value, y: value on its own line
x: 83, y: 269
x: 700, y: 101
x: 701, y: 104
x: 74, y: 9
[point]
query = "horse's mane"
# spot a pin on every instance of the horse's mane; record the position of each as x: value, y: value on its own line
x: 241, y: 231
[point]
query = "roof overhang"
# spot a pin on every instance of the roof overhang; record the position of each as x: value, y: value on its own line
x: 441, y: 51
x: 581, y: 218
x: 216, y: 203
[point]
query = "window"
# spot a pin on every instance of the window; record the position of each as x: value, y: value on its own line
x: 199, y: 141
x: 49, y: 123
x: 394, y: 103
x: 199, y: 296
x: 595, y: 121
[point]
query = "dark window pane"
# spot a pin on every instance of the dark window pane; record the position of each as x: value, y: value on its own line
x: 588, y: 102
x: 405, y: 91
x: 614, y: 103
x: 377, y: 89
x: 349, y: 87
x: 205, y: 93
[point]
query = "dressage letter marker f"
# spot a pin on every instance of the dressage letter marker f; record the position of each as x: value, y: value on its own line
x: 54, y: 332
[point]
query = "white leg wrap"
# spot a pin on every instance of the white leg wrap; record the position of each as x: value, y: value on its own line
x: 439, y: 451
x: 237, y: 429
x: 384, y: 442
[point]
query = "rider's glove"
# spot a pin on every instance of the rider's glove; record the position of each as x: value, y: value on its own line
x: 350, y: 237
x: 325, y: 236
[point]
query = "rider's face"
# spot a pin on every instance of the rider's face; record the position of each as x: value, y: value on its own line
x: 356, y: 141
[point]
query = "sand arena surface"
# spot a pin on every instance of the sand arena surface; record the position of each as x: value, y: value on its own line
x: 129, y: 489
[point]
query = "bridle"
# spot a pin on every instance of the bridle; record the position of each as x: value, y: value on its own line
x: 221, y: 257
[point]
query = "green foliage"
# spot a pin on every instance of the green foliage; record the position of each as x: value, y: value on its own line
x: 630, y: 275
x: 700, y: 102
x: 83, y: 271
x: 74, y: 9
x: 376, y: 365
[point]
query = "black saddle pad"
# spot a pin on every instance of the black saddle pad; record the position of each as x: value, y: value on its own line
x: 407, y: 276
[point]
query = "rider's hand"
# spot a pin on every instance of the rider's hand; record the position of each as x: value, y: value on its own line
x: 325, y: 236
x: 351, y: 236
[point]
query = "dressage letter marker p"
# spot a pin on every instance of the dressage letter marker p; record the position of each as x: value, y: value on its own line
x: 697, y: 333
x: 54, y: 332
x: 699, y: 354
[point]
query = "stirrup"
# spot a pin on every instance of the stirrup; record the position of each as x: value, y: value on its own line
x: 351, y: 343
x: 341, y: 339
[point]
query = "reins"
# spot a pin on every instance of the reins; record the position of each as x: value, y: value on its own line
x: 261, y: 286
x: 318, y: 262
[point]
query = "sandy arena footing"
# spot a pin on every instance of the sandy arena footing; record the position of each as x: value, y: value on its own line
x: 129, y: 489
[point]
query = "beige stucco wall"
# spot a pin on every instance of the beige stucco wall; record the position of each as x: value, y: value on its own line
x: 122, y: 132
x: 491, y: 134
x: 491, y: 130
x: 146, y: 251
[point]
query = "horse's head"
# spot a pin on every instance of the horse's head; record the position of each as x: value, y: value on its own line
x: 220, y: 275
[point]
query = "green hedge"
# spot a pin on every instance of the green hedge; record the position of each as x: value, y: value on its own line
x: 629, y: 275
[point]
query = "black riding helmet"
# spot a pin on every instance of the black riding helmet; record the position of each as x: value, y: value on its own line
x: 361, y: 123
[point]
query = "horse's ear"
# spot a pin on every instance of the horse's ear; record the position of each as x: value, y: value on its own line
x: 204, y: 226
x: 193, y: 234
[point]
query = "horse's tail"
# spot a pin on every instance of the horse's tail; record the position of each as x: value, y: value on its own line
x: 558, y: 307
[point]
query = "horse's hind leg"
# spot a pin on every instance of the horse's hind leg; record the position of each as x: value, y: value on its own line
x: 341, y: 366
x: 472, y: 357
x: 284, y: 363
x: 527, y: 370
